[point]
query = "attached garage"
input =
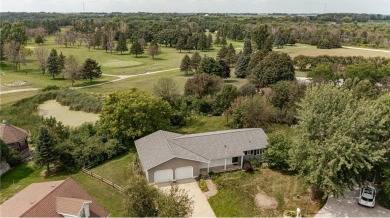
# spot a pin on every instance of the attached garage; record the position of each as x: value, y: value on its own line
x: 184, y: 172
x: 163, y: 176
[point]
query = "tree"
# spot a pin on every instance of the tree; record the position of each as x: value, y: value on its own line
x: 361, y: 88
x: 256, y: 58
x: 53, y: 66
x: 279, y: 42
x: 222, y: 52
x: 322, y: 73
x: 247, y: 89
x: 241, y: 66
x: 247, y: 47
x: 42, y: 56
x: 176, y: 203
x: 131, y: 114
x: 185, y: 65
x: 153, y: 49
x: 364, y: 71
x: 195, y: 60
x: 91, y: 69
x: 61, y: 61
x: 259, y: 36
x: 180, y: 45
x: 38, y: 40
x: 217, y: 40
x: 203, y: 84
x: 279, y: 145
x: 122, y: 43
x: 136, y: 48
x: 5, y: 151
x: 231, y: 57
x: 223, y: 41
x: 202, y: 42
x: 209, y: 41
x: 166, y: 88
x: 72, y: 69
x: 272, y: 69
x: 225, y: 69
x: 340, y: 138
x: 224, y: 98
x: 44, y: 152
x: 140, y: 198
x: 211, y: 66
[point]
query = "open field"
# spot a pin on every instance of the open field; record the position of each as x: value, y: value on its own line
x: 237, y: 191
x: 13, y: 97
x: 309, y: 50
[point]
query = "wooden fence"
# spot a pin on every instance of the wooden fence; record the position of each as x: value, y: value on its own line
x: 94, y: 175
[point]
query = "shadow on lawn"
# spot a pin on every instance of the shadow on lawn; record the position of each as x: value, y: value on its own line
x: 16, y: 174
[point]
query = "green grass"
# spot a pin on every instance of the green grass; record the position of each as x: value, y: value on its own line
x: 237, y: 191
x: 204, y: 124
x: 13, y: 97
x: 118, y: 170
x: 25, y: 174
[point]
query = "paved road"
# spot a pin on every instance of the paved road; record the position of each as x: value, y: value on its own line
x: 120, y: 77
x: 202, y: 207
x: 349, y: 207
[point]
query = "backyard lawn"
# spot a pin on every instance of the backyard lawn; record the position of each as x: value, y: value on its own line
x: 237, y: 191
x: 25, y: 174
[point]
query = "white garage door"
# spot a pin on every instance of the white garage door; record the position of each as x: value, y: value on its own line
x: 184, y: 173
x: 163, y: 176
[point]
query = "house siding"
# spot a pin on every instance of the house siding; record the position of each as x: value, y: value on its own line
x: 173, y: 164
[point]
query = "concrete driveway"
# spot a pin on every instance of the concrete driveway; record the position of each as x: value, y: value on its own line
x: 348, y: 206
x: 202, y: 207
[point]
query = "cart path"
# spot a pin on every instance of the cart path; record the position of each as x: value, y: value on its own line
x: 119, y: 78
x: 367, y: 49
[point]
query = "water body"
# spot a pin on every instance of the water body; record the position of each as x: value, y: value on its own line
x: 68, y: 117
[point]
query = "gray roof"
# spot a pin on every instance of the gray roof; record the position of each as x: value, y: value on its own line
x: 162, y: 146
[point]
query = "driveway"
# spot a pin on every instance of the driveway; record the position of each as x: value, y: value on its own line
x: 348, y: 206
x: 202, y: 207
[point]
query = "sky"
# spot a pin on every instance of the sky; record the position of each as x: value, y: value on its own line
x: 206, y: 6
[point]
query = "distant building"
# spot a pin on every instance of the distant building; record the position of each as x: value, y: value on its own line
x: 64, y: 198
x: 15, y: 138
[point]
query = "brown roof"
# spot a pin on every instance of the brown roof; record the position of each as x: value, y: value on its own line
x: 11, y: 134
x: 39, y: 200
x: 70, y: 206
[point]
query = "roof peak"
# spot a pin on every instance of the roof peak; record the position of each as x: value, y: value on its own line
x: 216, y: 133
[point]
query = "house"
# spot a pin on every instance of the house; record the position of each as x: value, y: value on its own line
x: 167, y: 156
x: 15, y: 138
x: 64, y: 198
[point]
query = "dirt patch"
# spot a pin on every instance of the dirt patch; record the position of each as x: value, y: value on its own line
x: 17, y: 83
x: 263, y: 201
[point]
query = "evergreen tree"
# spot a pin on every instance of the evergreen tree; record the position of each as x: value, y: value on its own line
x: 104, y: 42
x: 231, y: 56
x: 185, y: 65
x: 217, y: 40
x: 53, y: 66
x: 136, y: 48
x: 223, y: 41
x: 222, y: 52
x: 211, y: 66
x: 241, y: 66
x: 91, y: 69
x: 209, y: 41
x: 278, y: 41
x: 180, y: 44
x: 202, y: 42
x: 122, y: 43
x: 61, y: 61
x: 247, y: 47
x: 195, y: 60
x: 44, y: 148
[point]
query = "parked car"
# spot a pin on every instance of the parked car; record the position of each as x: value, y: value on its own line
x: 367, y: 196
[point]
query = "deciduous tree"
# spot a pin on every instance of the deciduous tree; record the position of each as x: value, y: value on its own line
x: 72, y: 69
x: 153, y: 49
x: 203, y: 84
x: 195, y: 61
x: 166, y: 88
x: 185, y: 65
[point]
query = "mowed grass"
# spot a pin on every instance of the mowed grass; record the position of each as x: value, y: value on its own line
x: 147, y: 82
x: 309, y: 50
x: 202, y: 124
x: 25, y: 174
x: 118, y: 169
x: 13, y: 97
x: 237, y: 191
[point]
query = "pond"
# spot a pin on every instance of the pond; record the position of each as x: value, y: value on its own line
x: 68, y: 117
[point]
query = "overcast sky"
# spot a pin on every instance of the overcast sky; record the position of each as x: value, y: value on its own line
x: 222, y: 6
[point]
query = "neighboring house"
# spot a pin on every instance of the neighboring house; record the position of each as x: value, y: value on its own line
x: 167, y: 156
x: 64, y: 198
x: 15, y: 138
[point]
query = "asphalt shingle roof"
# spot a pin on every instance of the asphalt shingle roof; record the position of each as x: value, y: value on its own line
x: 11, y: 134
x: 162, y: 146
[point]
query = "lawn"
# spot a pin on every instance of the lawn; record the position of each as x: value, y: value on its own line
x: 13, y: 97
x: 237, y: 190
x: 118, y: 169
x: 201, y: 124
x: 25, y: 174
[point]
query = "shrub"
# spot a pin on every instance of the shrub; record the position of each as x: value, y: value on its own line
x: 247, y: 167
x: 213, y: 175
x: 14, y: 158
x: 255, y: 163
x: 50, y: 88
x: 203, y: 185
x: 384, y: 194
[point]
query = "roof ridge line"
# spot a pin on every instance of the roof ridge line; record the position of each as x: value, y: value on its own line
x: 169, y: 146
x: 215, y: 132
x: 189, y: 150
x: 45, y: 195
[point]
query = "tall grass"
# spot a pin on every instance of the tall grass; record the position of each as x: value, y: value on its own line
x: 79, y: 101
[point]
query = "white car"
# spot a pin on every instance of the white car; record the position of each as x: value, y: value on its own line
x: 367, y: 196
